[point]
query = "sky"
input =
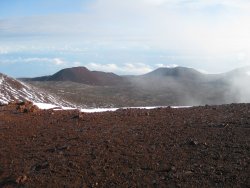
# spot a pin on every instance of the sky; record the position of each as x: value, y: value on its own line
x: 40, y: 37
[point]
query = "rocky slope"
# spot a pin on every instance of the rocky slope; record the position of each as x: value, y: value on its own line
x: 13, y: 90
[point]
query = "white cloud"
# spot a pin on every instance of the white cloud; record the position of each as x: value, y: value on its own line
x: 77, y: 64
x: 4, y: 50
x: 158, y: 2
x: 103, y: 67
x: 167, y: 65
x: 58, y: 61
x: 193, y: 28
x: 242, y: 4
x: 55, y: 61
x: 126, y: 68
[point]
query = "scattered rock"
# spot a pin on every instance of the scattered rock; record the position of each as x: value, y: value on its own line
x: 64, y: 147
x: 22, y: 179
x: 188, y: 172
x: 26, y: 107
x: 41, y: 166
x: 193, y: 142
x: 173, y: 168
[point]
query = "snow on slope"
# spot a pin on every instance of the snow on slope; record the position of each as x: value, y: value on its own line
x: 11, y: 89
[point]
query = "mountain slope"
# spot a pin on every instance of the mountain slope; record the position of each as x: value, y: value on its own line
x: 11, y: 90
x: 165, y: 86
x: 82, y: 75
x: 243, y: 72
x: 177, y: 72
x: 176, y: 79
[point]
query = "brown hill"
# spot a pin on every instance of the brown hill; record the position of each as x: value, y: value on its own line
x: 82, y: 75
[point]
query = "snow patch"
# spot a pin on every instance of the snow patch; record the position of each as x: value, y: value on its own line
x: 181, y: 106
x: 93, y: 110
x: 1, y: 79
x: 3, y: 101
x: 46, y: 106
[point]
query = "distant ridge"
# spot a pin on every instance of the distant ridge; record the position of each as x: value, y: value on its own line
x: 176, y: 72
x: 163, y: 86
x: 99, y: 78
x: 81, y: 75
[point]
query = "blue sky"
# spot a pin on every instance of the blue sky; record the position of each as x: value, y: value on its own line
x: 19, y: 8
x: 40, y: 37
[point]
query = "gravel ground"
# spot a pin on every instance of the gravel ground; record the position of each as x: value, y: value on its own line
x: 193, y: 147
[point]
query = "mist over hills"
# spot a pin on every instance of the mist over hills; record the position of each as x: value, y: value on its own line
x: 187, y: 73
x: 163, y: 86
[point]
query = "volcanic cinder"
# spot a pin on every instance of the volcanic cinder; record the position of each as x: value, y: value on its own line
x: 188, y: 147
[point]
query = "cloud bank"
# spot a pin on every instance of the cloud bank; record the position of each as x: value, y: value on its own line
x: 127, y: 68
x: 206, y: 34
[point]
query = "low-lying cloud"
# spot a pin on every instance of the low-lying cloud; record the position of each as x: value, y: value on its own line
x: 126, y: 68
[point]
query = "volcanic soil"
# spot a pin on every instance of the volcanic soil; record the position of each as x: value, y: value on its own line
x: 189, y: 147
